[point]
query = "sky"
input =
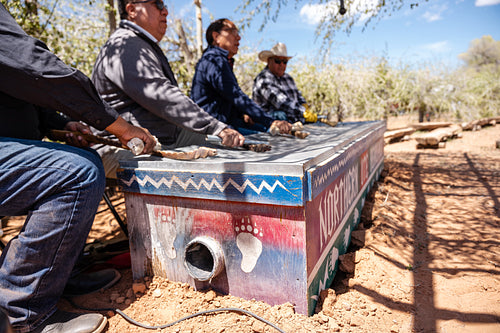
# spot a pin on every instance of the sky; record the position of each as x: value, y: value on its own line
x: 436, y: 31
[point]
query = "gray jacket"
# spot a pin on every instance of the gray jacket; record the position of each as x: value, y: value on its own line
x: 133, y: 75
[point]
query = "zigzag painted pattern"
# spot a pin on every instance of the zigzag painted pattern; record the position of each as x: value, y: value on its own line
x: 204, y: 183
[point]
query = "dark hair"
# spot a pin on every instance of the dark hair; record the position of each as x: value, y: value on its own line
x: 215, y: 26
x: 121, y: 8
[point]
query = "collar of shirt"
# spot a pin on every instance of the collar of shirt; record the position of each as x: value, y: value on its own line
x: 138, y: 27
x: 224, y: 53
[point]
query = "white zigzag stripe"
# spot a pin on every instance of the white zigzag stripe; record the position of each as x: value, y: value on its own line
x: 204, y: 183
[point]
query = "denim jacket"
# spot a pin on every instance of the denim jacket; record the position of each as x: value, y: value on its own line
x: 216, y: 90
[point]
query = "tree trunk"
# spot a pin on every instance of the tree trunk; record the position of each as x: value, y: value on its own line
x: 111, y: 16
x: 32, y: 17
x: 183, y: 44
x: 199, y: 29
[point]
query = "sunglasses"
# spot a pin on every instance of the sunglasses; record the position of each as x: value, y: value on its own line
x: 232, y: 31
x: 280, y: 61
x: 159, y: 3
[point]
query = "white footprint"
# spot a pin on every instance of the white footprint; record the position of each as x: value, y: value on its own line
x: 248, y: 244
x: 166, y: 233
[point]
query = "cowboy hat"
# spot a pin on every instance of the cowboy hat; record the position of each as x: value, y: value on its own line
x: 278, y: 50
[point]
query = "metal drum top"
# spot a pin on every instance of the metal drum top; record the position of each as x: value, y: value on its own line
x: 289, y: 155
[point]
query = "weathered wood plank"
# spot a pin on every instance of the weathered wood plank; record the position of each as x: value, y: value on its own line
x: 430, y: 125
x: 393, y: 135
x: 434, y: 137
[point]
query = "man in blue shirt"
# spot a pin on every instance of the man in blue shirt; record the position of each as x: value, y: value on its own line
x: 216, y: 89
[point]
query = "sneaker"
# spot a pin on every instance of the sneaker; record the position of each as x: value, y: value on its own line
x: 65, y: 322
x: 87, y: 283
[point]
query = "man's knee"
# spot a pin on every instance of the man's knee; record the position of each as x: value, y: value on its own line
x: 89, y: 167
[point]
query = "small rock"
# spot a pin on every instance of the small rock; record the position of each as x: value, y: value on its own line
x: 357, y: 320
x: 358, y: 237
x: 347, y: 262
x: 322, y: 318
x: 120, y: 300
x: 114, y: 296
x: 347, y: 306
x: 156, y: 293
x: 128, y: 301
x: 258, y: 326
x: 139, y: 288
x: 210, y: 295
x: 326, y: 302
x: 130, y: 293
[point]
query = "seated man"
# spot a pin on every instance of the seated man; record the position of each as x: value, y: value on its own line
x: 216, y: 89
x: 275, y: 91
x: 57, y: 186
x: 134, y: 76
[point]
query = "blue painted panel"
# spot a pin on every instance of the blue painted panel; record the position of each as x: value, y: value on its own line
x: 264, y: 189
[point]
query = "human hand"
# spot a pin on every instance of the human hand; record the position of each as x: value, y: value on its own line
x: 125, y: 132
x: 231, y: 137
x: 280, y: 127
x: 248, y: 120
x: 76, y: 140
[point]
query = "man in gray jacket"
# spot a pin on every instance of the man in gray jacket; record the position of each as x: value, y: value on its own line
x: 134, y: 76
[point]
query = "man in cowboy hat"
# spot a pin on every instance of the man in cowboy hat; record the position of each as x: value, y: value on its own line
x: 275, y: 91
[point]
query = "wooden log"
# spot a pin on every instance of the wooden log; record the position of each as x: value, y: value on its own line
x: 430, y: 125
x: 438, y: 135
x: 393, y: 135
x: 439, y: 145
x: 476, y: 125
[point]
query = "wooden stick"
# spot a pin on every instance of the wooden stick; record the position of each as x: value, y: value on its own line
x: 201, y: 152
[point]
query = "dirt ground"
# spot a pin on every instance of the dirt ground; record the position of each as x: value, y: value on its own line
x: 425, y: 258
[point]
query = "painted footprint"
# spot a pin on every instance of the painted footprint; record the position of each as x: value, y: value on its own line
x: 249, y: 245
x: 166, y: 232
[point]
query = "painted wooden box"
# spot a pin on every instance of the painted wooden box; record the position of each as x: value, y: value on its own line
x: 268, y: 226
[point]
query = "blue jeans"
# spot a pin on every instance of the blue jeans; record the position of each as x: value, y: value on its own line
x: 59, y: 188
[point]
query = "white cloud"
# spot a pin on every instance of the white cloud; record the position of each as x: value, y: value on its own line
x: 480, y: 3
x: 314, y: 13
x: 431, y: 17
x: 435, y: 13
x: 438, y: 47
